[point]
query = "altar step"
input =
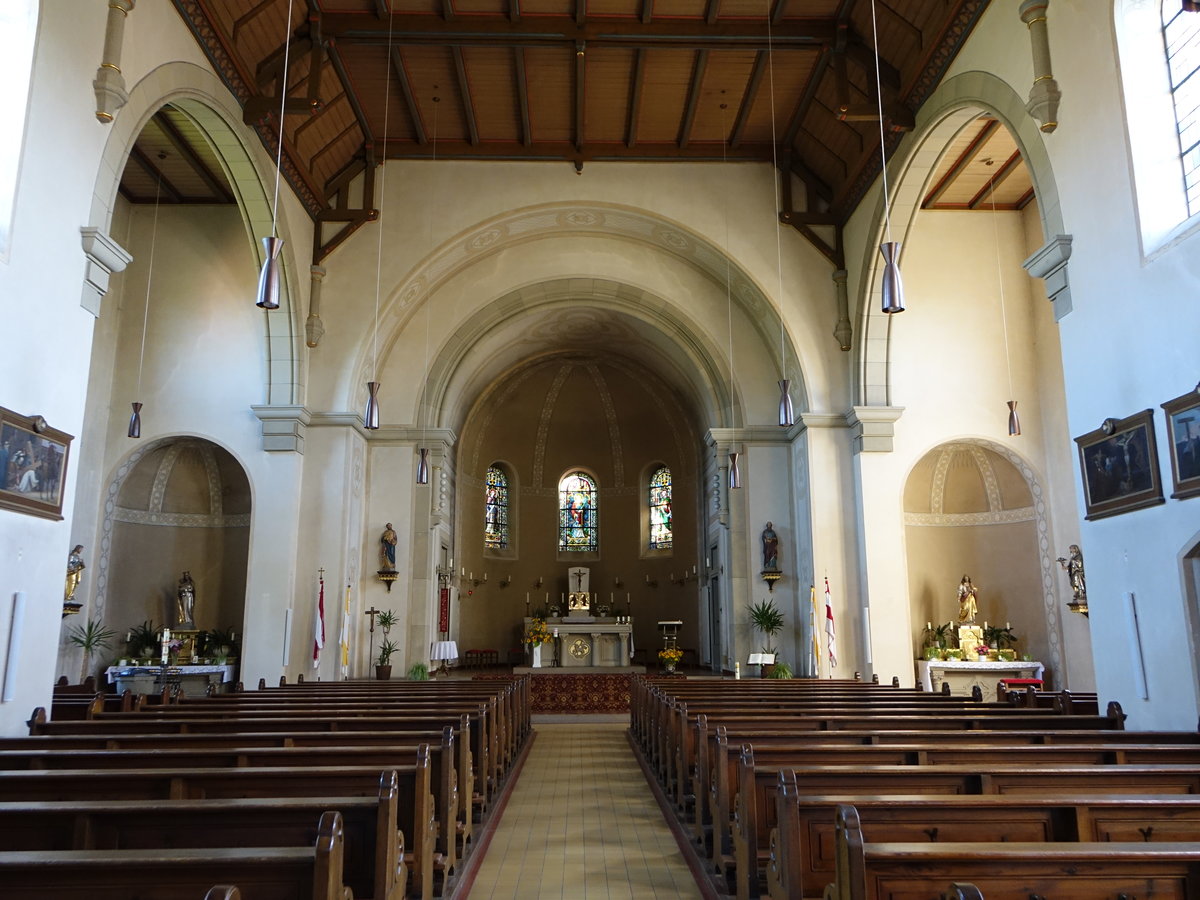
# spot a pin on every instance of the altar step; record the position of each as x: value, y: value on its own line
x: 579, y: 670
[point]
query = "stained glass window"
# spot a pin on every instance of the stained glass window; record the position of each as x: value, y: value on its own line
x: 1181, y: 31
x: 660, y: 509
x: 495, y: 510
x: 577, y: 513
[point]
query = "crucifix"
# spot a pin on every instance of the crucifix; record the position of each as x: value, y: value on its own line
x: 579, y: 580
x: 372, y: 612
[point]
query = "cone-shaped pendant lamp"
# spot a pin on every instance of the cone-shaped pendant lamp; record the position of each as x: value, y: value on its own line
x: 787, y: 415
x: 893, y: 286
x: 268, y: 278
x: 423, y: 467
x: 371, y: 414
x: 135, y: 421
x: 1014, y: 423
x: 735, y: 474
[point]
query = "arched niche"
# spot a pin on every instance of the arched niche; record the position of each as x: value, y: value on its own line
x: 180, y: 504
x: 975, y: 508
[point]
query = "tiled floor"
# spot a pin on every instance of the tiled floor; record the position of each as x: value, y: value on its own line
x: 582, y: 824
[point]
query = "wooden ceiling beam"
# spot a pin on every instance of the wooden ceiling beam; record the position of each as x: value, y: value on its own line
x: 580, y: 92
x: 381, y: 9
x: 636, y: 86
x: 748, y: 97
x: 514, y: 11
x: 804, y: 104
x: 813, y: 183
x: 708, y: 151
x: 960, y: 164
x: 272, y: 64
x: 1009, y: 166
x: 447, y: 10
x: 410, y: 99
x: 185, y: 151
x: 249, y: 16
x: 647, y: 11
x: 464, y: 92
x: 152, y: 169
x: 580, y: 13
x: 689, y: 110
x: 777, y: 12
x: 550, y: 31
x: 522, y: 95
x: 711, y: 11
x: 913, y: 31
x: 335, y: 59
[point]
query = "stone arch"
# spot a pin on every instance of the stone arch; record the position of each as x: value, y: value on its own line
x: 1037, y: 512
x: 612, y: 221
x: 955, y: 103
x: 200, y: 95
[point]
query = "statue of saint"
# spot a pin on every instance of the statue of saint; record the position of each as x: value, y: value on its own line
x: 1073, y: 566
x: 75, y: 567
x: 185, y: 601
x: 387, y: 548
x: 770, y: 548
x: 968, y: 606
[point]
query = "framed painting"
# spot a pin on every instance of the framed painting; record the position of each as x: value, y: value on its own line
x: 33, y: 465
x: 1183, y: 432
x: 1119, y: 465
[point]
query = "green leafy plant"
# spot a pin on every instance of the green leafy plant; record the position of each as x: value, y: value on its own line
x: 940, y: 635
x: 1001, y: 638
x: 143, y: 639
x: 418, y: 672
x: 220, y: 644
x: 386, y: 649
x: 767, y: 618
x: 90, y: 637
x: 387, y: 620
x: 780, y: 670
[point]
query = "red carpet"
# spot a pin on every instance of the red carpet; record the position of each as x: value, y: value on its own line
x: 590, y: 693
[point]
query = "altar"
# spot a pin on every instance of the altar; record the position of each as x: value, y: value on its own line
x: 193, y: 681
x: 583, y: 642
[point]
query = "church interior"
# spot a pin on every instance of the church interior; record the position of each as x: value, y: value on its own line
x: 621, y: 318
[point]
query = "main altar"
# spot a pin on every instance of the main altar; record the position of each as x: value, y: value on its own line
x: 583, y: 642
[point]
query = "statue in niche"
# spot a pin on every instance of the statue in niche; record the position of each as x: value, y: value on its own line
x: 1073, y: 566
x: 75, y: 567
x: 185, y: 602
x: 968, y: 605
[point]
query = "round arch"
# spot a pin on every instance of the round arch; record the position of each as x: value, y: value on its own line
x: 200, y: 95
x: 955, y: 103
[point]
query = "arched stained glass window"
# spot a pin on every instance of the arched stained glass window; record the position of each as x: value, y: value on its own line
x: 577, y: 513
x: 1181, y: 32
x: 660, y: 509
x: 495, y: 505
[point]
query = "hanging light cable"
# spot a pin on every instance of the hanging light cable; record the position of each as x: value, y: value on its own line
x: 423, y: 452
x: 371, y: 413
x: 135, y: 420
x: 1014, y: 422
x: 735, y: 474
x: 268, y: 278
x: 787, y: 415
x: 892, y: 289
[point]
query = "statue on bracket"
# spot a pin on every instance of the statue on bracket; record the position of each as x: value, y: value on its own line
x: 968, y: 605
x: 75, y: 567
x: 387, y: 548
x: 185, y: 602
x: 1073, y: 566
x: 770, y: 554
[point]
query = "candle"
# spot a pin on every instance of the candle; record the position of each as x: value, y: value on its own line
x: 1007, y: 626
x: 929, y: 626
x: 610, y: 598
x: 527, y: 599
x: 647, y: 578
x: 451, y: 565
x: 128, y: 636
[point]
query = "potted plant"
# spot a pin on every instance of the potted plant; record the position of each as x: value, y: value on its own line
x: 386, y: 620
x: 937, y: 640
x: 383, y: 662
x: 90, y: 637
x: 142, y: 641
x: 670, y: 657
x: 998, y: 638
x: 418, y: 672
x: 780, y: 670
x: 767, y: 618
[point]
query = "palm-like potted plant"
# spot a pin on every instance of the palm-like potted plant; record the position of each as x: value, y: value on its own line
x: 143, y: 641
x: 767, y: 618
x: 387, y: 620
x: 90, y: 637
x: 383, y: 662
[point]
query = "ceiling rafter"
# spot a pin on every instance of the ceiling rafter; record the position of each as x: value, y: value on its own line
x: 748, y: 97
x: 249, y: 16
x: 709, y: 151
x: 464, y: 92
x: 522, y: 95
x: 1001, y: 175
x: 961, y: 163
x: 689, y: 113
x: 647, y: 11
x: 410, y: 99
x: 155, y: 171
x: 339, y: 68
x: 580, y: 94
x: 514, y: 10
x: 636, y: 86
x: 188, y: 155
x: 711, y: 11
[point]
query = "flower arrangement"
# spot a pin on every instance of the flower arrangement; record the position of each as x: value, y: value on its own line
x: 670, y: 655
x: 983, y: 650
x: 538, y: 633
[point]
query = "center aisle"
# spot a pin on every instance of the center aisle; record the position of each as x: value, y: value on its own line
x: 582, y: 824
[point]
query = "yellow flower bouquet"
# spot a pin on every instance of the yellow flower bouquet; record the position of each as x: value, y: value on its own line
x: 670, y: 655
x: 538, y: 633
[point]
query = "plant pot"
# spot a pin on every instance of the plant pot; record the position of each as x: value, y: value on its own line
x: 669, y: 667
x: 767, y: 669
x: 383, y: 673
x: 537, y: 656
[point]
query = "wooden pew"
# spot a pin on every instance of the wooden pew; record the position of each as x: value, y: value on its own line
x: 874, y: 871
x: 373, y: 861
x: 800, y: 857
x: 276, y: 873
x: 453, y: 813
x: 415, y: 806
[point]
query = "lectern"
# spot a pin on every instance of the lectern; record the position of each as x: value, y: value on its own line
x: 670, y: 633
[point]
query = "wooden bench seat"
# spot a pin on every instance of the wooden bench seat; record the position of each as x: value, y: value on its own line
x: 906, y: 871
x: 265, y: 873
x: 373, y: 861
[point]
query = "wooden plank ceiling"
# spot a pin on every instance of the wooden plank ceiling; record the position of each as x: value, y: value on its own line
x: 582, y: 82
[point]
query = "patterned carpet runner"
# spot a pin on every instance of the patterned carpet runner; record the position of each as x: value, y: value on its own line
x: 589, y: 693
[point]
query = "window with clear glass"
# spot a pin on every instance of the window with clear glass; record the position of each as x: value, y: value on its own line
x: 1181, y: 33
x: 577, y: 513
x: 660, y: 509
x: 495, y: 510
x: 18, y: 32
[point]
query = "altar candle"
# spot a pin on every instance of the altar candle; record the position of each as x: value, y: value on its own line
x: 451, y: 565
x: 527, y: 599
x: 647, y: 578
x: 128, y: 636
x: 610, y: 598
x: 929, y: 626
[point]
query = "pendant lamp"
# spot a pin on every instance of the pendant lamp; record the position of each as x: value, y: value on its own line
x: 268, y: 278
x: 787, y: 414
x: 423, y: 466
x: 892, y: 288
x: 135, y: 420
x: 735, y: 474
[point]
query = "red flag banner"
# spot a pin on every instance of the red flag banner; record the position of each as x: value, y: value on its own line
x: 829, y: 631
x: 444, y: 610
x: 319, y: 629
